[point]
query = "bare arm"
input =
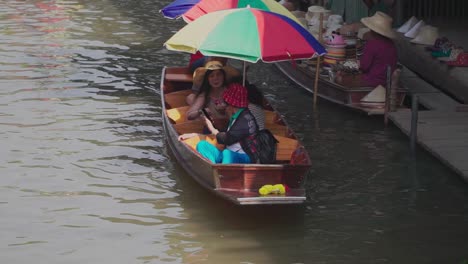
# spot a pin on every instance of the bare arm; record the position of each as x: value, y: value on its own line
x: 194, y: 110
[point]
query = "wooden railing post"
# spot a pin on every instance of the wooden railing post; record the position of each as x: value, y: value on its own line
x: 414, y: 123
x: 387, y: 94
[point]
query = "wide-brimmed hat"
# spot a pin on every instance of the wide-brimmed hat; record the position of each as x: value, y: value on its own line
x: 426, y: 36
x: 199, y: 73
x: 376, y: 98
x: 236, y: 95
x: 380, y: 23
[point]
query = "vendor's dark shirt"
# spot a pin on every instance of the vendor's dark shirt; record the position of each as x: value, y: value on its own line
x: 243, y: 126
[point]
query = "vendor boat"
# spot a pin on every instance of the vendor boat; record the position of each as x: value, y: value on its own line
x: 236, y: 183
x: 351, y: 97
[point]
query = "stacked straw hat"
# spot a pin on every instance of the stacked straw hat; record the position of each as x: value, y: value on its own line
x: 408, y: 25
x: 413, y: 32
x: 427, y: 35
x: 313, y: 19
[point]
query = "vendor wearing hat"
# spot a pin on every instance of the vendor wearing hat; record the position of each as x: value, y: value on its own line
x: 241, y: 125
x: 209, y: 84
x: 379, y: 51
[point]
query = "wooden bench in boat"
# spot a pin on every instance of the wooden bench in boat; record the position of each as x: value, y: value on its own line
x: 286, y: 146
x: 178, y: 115
x: 195, y: 126
x: 179, y: 75
x: 176, y: 99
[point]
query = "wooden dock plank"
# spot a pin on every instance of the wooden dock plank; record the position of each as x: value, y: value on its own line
x: 442, y: 133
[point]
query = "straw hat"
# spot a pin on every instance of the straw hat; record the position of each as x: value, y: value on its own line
x: 375, y: 98
x: 408, y: 25
x: 199, y: 73
x: 426, y: 36
x: 236, y: 95
x: 380, y: 23
x: 415, y: 29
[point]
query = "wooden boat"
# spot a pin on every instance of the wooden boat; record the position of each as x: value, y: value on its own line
x: 237, y: 183
x: 336, y: 93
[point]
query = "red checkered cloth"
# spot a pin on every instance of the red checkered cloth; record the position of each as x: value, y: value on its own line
x: 236, y: 95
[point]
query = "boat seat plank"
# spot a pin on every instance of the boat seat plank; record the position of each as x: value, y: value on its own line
x: 178, y: 115
x: 179, y: 77
x: 176, y: 99
x: 195, y: 126
x: 193, y: 141
x: 277, y: 129
x: 286, y: 146
x: 271, y: 117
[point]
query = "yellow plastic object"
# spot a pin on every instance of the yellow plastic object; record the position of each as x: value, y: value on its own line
x: 272, y: 189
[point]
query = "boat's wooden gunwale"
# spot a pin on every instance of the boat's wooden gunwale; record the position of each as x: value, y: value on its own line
x: 334, y: 92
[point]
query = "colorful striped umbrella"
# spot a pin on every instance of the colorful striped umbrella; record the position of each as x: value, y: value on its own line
x: 193, y: 9
x: 247, y: 34
x: 178, y: 7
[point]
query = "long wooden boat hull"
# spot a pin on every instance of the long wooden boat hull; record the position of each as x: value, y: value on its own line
x: 237, y: 183
x: 333, y: 92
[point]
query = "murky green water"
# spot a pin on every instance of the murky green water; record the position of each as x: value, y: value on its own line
x: 85, y: 175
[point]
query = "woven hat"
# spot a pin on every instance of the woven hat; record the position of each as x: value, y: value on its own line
x: 408, y: 25
x: 375, y: 97
x: 415, y: 29
x: 199, y: 73
x: 380, y: 23
x: 236, y: 95
x: 427, y: 35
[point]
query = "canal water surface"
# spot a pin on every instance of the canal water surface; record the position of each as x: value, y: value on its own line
x: 86, y: 175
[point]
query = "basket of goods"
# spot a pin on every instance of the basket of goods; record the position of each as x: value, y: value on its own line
x: 349, y: 66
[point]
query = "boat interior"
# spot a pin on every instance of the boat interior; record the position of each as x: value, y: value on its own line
x: 177, y: 85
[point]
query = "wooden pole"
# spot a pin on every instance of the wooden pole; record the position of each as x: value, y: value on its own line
x: 244, y: 72
x: 317, y: 72
x: 318, y: 65
x: 387, y: 95
x: 414, y: 124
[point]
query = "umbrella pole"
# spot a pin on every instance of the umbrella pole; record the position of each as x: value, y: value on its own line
x: 244, y: 72
x: 317, y: 72
x: 317, y: 67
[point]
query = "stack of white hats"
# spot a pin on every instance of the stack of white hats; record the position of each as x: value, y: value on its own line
x: 427, y: 35
x: 419, y: 31
x: 334, y: 23
x: 313, y: 18
x: 408, y: 25
x: 413, y: 31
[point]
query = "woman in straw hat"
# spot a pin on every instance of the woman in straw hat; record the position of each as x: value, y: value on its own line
x: 241, y: 125
x: 379, y: 52
x: 209, y: 84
